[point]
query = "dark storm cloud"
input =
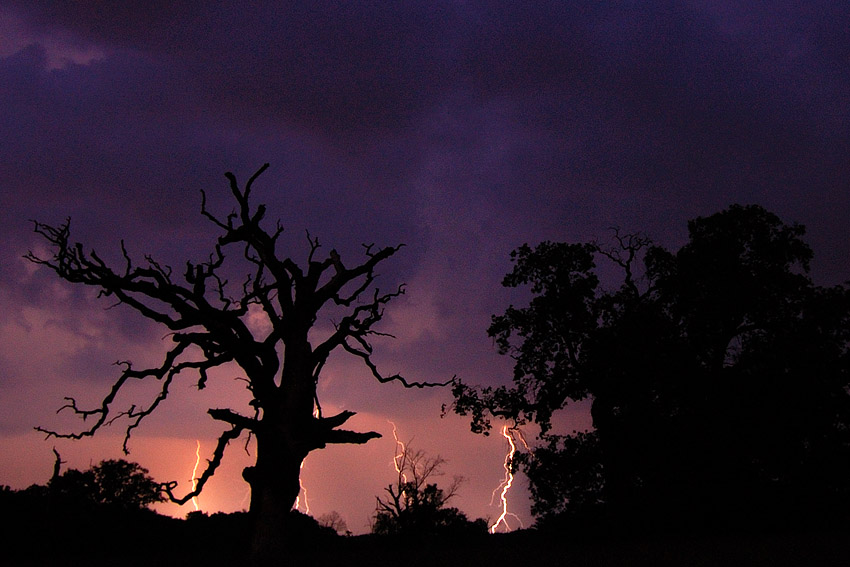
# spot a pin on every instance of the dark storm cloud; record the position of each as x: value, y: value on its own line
x: 670, y: 94
x: 461, y: 129
x: 334, y: 67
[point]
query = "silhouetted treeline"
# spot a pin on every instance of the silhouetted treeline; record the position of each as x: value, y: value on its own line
x: 37, y: 533
x: 44, y: 528
x: 100, y: 516
x: 40, y: 529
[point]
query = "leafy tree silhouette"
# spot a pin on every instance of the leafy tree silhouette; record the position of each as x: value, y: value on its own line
x: 719, y: 376
x: 208, y: 324
x: 114, y: 482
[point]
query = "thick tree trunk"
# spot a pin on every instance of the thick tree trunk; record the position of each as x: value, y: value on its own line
x: 274, y: 482
x: 284, y: 439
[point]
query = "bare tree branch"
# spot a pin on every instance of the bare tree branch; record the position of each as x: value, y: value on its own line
x: 365, y: 354
x: 223, y: 440
x: 164, y: 373
x: 624, y: 254
x: 338, y: 436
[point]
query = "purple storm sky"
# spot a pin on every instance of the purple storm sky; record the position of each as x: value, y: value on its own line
x: 462, y: 129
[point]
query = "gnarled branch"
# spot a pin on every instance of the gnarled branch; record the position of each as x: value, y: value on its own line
x: 164, y: 373
x: 223, y: 440
x: 365, y: 353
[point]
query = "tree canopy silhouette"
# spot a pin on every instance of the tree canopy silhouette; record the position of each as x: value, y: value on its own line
x: 113, y: 482
x: 208, y: 323
x: 415, y: 506
x: 719, y: 374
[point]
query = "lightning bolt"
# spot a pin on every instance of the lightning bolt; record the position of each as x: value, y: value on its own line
x: 297, y: 505
x: 304, y: 490
x: 195, y: 474
x: 507, y: 482
x: 400, y: 450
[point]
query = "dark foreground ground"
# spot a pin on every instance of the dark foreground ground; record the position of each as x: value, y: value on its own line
x: 39, y: 537
x: 533, y: 549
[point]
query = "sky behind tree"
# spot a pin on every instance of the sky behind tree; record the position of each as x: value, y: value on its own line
x: 461, y: 129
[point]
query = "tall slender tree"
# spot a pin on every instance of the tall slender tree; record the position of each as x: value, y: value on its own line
x: 208, y: 329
